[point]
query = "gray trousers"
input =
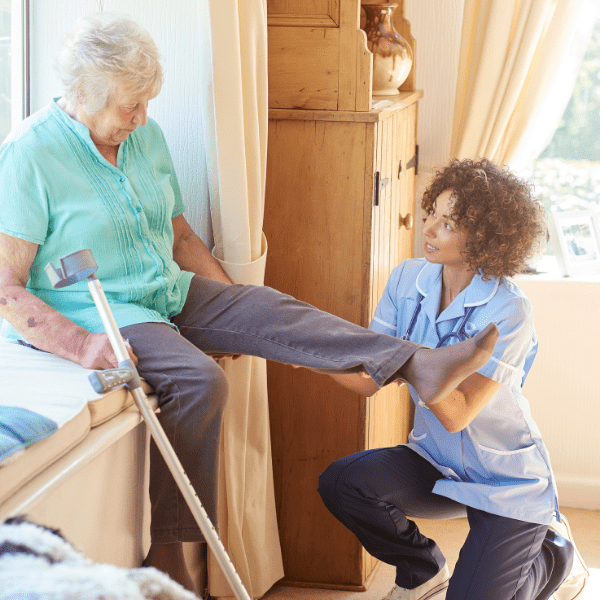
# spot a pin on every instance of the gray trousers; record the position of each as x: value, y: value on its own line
x: 192, y: 388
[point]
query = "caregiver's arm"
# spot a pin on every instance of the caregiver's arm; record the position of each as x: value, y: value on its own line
x: 38, y: 323
x: 454, y: 412
x: 357, y: 382
x: 458, y: 409
x: 191, y: 254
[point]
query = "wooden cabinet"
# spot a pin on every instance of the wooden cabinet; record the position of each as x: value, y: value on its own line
x: 340, y: 192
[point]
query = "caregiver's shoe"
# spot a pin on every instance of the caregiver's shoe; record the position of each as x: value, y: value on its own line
x: 434, y: 589
x: 575, y: 582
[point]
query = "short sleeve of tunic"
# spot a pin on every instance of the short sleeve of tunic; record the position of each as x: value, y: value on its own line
x: 386, y: 314
x: 517, y: 345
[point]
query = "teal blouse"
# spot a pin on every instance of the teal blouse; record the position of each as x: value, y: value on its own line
x: 56, y: 190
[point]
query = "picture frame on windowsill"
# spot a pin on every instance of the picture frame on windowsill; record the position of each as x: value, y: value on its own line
x: 575, y: 238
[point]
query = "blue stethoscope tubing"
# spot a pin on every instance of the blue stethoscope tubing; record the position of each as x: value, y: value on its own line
x: 460, y: 335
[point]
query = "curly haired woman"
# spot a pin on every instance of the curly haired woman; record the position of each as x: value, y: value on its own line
x: 477, y: 453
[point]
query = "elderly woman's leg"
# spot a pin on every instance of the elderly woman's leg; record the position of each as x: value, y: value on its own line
x: 259, y: 321
x: 192, y: 392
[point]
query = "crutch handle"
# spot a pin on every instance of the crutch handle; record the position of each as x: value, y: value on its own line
x: 103, y: 381
x: 73, y: 268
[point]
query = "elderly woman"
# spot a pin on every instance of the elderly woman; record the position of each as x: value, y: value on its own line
x: 478, y: 452
x: 91, y: 170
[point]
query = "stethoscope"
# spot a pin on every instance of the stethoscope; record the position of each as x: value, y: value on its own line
x: 460, y: 335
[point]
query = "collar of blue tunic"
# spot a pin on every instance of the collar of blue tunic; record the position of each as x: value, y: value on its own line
x: 429, y: 284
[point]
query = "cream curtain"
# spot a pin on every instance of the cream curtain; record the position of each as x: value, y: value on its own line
x: 515, y: 56
x: 233, y: 34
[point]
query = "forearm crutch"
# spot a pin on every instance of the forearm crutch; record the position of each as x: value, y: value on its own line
x: 81, y: 265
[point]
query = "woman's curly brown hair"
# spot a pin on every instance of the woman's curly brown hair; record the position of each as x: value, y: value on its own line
x: 505, y: 224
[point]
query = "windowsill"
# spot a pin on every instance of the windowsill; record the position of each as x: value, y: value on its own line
x: 548, y: 271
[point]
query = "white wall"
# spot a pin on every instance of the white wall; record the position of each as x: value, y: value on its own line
x: 562, y: 387
x: 437, y: 32
x: 174, y: 27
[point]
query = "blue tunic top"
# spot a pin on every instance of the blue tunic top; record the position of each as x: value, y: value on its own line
x: 56, y: 190
x: 498, y: 463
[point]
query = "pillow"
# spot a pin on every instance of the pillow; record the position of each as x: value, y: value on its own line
x: 20, y: 428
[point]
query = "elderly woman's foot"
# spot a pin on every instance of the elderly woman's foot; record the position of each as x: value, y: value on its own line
x: 434, y: 373
x: 169, y: 559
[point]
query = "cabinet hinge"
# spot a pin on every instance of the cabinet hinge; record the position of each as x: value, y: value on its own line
x: 414, y: 161
x: 378, y: 185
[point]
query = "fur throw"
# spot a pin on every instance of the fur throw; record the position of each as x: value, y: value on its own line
x: 37, y: 563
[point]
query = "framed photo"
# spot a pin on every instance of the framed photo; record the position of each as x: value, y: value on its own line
x: 575, y: 237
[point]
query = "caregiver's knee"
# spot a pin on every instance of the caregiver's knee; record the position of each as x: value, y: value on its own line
x: 561, y: 553
x: 337, y: 483
x: 327, y: 485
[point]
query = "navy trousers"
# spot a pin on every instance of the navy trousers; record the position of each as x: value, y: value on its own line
x: 374, y: 492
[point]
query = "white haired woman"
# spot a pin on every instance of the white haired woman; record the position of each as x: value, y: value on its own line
x: 91, y: 170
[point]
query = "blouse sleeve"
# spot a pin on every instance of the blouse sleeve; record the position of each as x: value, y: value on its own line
x: 23, y: 197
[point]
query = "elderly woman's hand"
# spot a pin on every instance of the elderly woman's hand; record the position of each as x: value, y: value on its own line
x: 97, y: 353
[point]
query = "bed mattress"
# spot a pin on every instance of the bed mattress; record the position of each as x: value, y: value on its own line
x: 55, y: 390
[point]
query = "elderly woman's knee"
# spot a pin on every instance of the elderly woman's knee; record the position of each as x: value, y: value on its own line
x: 212, y: 383
x: 194, y: 381
x: 219, y: 384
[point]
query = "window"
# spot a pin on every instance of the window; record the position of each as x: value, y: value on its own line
x: 14, y: 63
x: 567, y: 173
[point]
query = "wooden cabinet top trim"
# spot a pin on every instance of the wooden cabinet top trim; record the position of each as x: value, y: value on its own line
x: 381, y: 111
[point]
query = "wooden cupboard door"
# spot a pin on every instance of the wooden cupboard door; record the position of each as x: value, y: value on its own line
x: 318, y: 56
x: 384, y: 230
x: 315, y: 226
x: 315, y: 218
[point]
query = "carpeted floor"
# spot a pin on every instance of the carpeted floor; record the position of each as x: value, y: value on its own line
x: 450, y: 535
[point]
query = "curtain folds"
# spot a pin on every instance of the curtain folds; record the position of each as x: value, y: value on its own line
x: 235, y: 115
x: 513, y: 54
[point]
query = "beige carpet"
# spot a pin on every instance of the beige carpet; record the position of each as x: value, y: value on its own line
x: 450, y: 536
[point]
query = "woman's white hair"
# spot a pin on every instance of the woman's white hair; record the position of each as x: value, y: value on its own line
x: 106, y: 50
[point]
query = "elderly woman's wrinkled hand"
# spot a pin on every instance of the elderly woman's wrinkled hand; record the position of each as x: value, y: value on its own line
x: 97, y: 353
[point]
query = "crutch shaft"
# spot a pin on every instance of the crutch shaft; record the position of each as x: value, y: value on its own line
x: 202, y: 518
x: 164, y: 445
x: 110, y: 325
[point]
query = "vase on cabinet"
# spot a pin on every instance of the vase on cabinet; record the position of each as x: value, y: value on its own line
x: 392, y: 55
